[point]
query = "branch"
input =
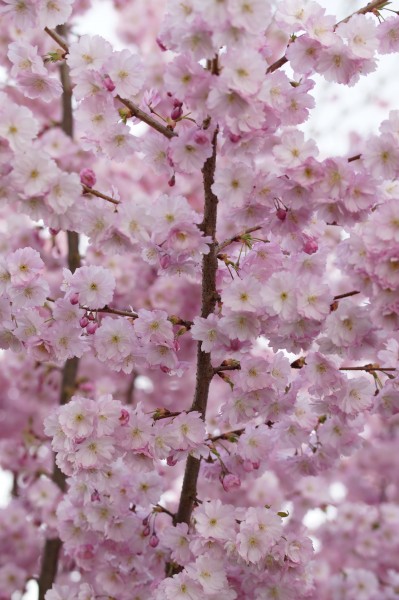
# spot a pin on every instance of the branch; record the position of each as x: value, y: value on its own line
x: 371, y: 7
x: 58, y: 39
x: 347, y: 295
x: 134, y: 109
x: 204, y: 367
x: 88, y: 190
x: 237, y: 238
x: 368, y: 368
x: 52, y: 547
x: 146, y: 118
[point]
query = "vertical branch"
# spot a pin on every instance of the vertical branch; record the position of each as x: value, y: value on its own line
x: 52, y: 546
x: 204, y: 366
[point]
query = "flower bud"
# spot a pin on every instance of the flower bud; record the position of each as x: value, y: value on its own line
x: 83, y: 322
x: 310, y: 245
x: 125, y: 417
x: 88, y: 177
x: 74, y: 299
x: 154, y: 540
x: 281, y: 214
x: 92, y: 327
x: 231, y: 482
x: 108, y: 83
x: 176, y: 113
x: 161, y: 45
x: 146, y: 531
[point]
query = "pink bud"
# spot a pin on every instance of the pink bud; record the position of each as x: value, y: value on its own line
x: 145, y: 521
x: 146, y: 531
x: 247, y: 466
x: 200, y: 138
x: 281, y: 214
x: 88, y: 177
x: 108, y: 83
x: 310, y: 245
x: 172, y: 181
x: 86, y: 551
x: 176, y: 113
x: 164, y: 369
x: 234, y: 138
x: 54, y: 231
x: 230, y: 482
x: 161, y: 45
x: 74, y: 299
x: 95, y: 497
x: 125, y: 417
x: 154, y: 540
x: 92, y: 327
x: 171, y: 461
x: 90, y: 316
x: 83, y: 322
x: 164, y: 261
x: 87, y: 386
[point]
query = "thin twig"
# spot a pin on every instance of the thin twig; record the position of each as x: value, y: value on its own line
x: 347, y: 295
x: 89, y: 190
x: 57, y: 38
x: 237, y: 237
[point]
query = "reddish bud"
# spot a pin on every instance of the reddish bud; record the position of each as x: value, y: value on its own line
x: 88, y: 177
x: 74, y: 299
x: 154, y: 540
x: 200, y: 138
x: 92, y: 328
x: 108, y: 83
x: 234, y: 138
x: 146, y: 531
x: 90, y: 316
x: 230, y: 482
x: 172, y: 181
x: 54, y: 231
x: 95, y: 497
x: 125, y: 417
x: 161, y: 45
x: 310, y: 245
x: 176, y: 113
x: 281, y: 214
x: 83, y: 322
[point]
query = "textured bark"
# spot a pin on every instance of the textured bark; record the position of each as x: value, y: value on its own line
x: 204, y: 367
x: 52, y: 546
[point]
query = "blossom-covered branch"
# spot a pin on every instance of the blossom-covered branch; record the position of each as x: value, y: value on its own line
x: 369, y: 8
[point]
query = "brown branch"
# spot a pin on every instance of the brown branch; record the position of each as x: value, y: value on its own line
x: 300, y: 362
x: 347, y: 295
x: 237, y: 238
x: 134, y: 109
x: 234, y: 367
x: 146, y: 118
x: 52, y: 547
x: 89, y: 190
x: 204, y: 367
x: 368, y: 368
x: 57, y: 38
x: 372, y: 6
x: 353, y: 158
x: 228, y: 435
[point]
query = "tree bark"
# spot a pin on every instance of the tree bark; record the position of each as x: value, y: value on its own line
x: 204, y: 367
x: 53, y: 546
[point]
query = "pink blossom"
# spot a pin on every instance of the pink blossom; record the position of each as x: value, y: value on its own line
x: 215, y: 520
x: 95, y: 286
